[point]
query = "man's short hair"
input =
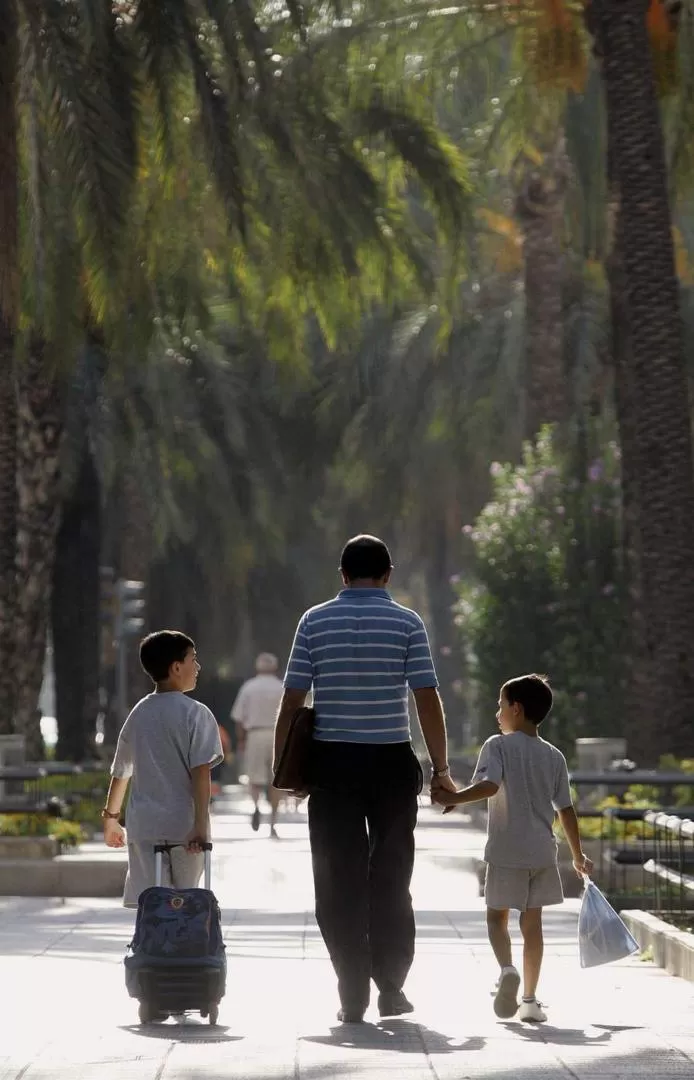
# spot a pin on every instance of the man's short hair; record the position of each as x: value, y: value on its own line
x: 265, y: 663
x: 533, y: 692
x: 158, y: 651
x: 365, y: 557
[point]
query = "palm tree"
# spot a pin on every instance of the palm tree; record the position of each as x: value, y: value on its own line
x: 654, y: 402
x: 540, y: 209
x: 9, y: 320
x: 262, y: 139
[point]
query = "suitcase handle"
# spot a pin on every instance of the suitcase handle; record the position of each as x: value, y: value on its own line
x: 161, y: 849
x: 169, y: 847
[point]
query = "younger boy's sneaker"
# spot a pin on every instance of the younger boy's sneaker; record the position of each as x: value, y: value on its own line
x: 506, y: 997
x: 532, y: 1012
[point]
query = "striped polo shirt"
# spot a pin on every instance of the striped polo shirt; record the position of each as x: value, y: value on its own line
x: 359, y: 653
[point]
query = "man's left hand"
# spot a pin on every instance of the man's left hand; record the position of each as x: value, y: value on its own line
x: 442, y: 783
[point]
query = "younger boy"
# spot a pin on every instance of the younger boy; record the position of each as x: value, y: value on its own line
x: 168, y: 745
x: 525, y: 780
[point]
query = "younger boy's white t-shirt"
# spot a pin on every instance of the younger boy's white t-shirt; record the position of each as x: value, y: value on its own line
x: 165, y: 736
x: 533, y: 783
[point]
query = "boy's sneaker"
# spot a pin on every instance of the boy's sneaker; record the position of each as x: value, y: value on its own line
x: 506, y: 997
x: 532, y: 1012
x: 255, y: 819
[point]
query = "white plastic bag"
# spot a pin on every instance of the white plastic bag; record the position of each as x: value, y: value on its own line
x: 602, y: 936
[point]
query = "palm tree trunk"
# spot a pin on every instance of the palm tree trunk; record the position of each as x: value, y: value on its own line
x: 75, y: 615
x: 655, y: 392
x: 9, y: 316
x: 540, y: 210
x: 39, y: 431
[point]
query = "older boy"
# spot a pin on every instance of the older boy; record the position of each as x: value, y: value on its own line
x: 167, y: 746
x: 525, y: 780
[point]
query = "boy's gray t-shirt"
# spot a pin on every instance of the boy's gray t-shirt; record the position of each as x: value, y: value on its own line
x: 164, y: 737
x: 533, y: 782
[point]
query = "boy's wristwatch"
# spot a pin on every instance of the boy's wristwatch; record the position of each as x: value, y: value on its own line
x: 107, y: 814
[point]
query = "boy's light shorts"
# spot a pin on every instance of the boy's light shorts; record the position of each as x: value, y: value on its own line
x: 181, y: 869
x: 508, y: 887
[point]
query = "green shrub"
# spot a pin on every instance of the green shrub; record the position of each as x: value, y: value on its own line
x: 24, y: 825
x: 67, y: 833
x: 548, y: 592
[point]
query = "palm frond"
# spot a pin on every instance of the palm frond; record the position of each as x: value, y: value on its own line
x: 93, y: 118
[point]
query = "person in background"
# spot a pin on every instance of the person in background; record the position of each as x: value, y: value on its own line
x: 254, y: 713
x: 218, y: 771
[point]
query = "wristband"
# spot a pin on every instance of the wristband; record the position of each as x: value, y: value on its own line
x: 107, y: 814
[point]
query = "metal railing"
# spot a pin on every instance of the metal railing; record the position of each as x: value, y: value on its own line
x: 671, y: 865
x: 626, y: 843
x: 49, y: 788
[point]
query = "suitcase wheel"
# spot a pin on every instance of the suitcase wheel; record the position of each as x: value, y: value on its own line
x: 213, y: 1014
x: 149, y: 1015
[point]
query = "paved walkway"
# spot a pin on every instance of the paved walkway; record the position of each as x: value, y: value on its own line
x: 66, y: 1016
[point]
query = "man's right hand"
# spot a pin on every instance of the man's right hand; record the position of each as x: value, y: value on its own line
x: 114, y: 833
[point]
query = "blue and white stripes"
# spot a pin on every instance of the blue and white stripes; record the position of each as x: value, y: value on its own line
x: 359, y: 653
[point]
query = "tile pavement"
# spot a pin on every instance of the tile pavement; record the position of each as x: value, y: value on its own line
x: 65, y: 1014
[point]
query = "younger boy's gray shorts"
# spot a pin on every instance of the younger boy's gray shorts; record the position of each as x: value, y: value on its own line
x: 181, y: 869
x: 509, y: 887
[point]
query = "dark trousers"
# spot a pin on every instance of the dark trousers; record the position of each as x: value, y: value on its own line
x: 362, y: 812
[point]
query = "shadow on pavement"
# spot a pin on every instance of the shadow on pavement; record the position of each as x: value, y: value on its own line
x: 547, y: 1033
x: 182, y: 1033
x: 400, y: 1036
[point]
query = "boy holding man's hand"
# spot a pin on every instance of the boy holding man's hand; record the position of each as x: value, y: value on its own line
x: 526, y: 780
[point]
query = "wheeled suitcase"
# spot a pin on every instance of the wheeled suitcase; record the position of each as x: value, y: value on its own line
x: 176, y: 961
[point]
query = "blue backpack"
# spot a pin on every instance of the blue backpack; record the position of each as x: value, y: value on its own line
x: 175, y: 928
x: 177, y: 924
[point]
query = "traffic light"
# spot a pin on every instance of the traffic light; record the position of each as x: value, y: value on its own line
x: 129, y: 622
x: 130, y: 606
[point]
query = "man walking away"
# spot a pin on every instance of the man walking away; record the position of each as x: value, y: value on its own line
x: 359, y: 653
x: 254, y: 713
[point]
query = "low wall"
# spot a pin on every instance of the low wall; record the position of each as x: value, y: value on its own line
x: 671, y: 948
x: 65, y: 875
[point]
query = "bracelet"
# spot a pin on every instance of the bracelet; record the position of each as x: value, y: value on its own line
x: 107, y: 814
x: 446, y: 771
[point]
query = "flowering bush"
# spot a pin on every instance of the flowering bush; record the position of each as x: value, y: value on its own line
x: 547, y: 593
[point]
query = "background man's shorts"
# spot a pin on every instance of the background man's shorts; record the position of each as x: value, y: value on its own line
x: 260, y: 744
x: 508, y: 887
x: 181, y: 869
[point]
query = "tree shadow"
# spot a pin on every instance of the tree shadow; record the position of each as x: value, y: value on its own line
x: 399, y: 1036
